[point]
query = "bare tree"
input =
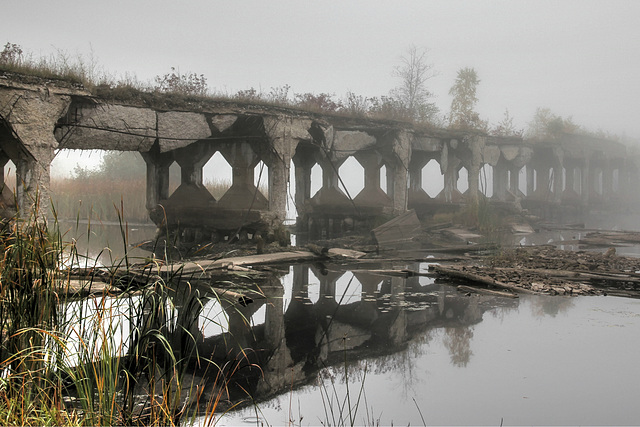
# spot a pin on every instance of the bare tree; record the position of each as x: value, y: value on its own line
x: 412, y: 94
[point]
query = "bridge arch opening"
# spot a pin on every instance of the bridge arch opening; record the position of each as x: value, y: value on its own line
x: 522, y: 180
x: 217, y: 175
x: 485, y: 180
x: 383, y: 178
x: 348, y: 289
x: 316, y: 179
x: 261, y: 178
x: 432, y: 178
x: 352, y: 177
x: 9, y: 180
x: 463, y: 180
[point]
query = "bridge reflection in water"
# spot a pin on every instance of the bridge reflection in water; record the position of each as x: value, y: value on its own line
x: 312, y: 317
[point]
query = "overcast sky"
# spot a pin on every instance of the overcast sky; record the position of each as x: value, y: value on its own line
x: 578, y: 58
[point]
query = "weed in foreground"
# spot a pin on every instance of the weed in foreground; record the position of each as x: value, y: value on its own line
x: 123, y: 358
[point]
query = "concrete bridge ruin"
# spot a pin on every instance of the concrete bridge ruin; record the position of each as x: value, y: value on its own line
x: 39, y: 117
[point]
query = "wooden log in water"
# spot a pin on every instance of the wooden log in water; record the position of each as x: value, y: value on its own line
x: 463, y: 288
x: 475, y: 278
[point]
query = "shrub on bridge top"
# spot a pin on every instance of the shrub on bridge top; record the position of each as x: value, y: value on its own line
x: 186, y: 84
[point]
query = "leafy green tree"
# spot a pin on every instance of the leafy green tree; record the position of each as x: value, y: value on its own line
x: 412, y: 95
x: 463, y: 91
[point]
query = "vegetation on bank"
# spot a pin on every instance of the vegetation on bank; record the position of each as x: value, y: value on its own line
x: 115, y: 359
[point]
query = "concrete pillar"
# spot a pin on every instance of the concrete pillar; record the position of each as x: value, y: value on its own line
x: 284, y: 134
x: 33, y: 175
x: 158, y: 165
x: 243, y: 193
x: 451, y: 175
x: 415, y: 173
x: 586, y: 186
x: 473, y: 178
x: 570, y: 178
x: 303, y: 161
x: 557, y: 182
x: 371, y: 194
x: 500, y: 181
x: 607, y: 181
x: 514, y: 182
x: 274, y: 317
x: 400, y: 171
x: 530, y: 179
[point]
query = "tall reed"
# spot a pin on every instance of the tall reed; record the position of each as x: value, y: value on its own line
x: 122, y: 358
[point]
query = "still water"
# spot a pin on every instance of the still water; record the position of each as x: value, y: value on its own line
x: 450, y: 359
x: 411, y: 351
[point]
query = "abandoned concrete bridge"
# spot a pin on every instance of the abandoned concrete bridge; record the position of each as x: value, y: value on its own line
x: 39, y: 117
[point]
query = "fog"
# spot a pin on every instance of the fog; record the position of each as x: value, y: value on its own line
x: 577, y: 58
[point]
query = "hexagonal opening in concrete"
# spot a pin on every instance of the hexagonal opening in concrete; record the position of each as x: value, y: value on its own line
x: 316, y: 179
x: 383, y: 178
x: 261, y: 178
x: 348, y: 289
x: 485, y: 180
x: 432, y: 178
x: 10, y: 176
x: 213, y: 320
x: 522, y: 180
x: 463, y: 180
x: 217, y: 175
x: 351, y: 177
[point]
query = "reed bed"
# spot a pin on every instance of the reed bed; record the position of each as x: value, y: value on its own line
x: 122, y: 358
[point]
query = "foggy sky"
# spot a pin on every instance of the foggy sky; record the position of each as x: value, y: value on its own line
x: 578, y: 58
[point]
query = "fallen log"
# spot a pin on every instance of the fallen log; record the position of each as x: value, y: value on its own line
x: 463, y: 288
x: 474, y: 278
x: 223, y: 263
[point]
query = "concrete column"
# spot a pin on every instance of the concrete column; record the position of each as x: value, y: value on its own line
x: 570, y: 178
x: 303, y: 161
x: 284, y: 136
x: 278, y: 187
x: 402, y: 151
x: 607, y: 181
x: 557, y: 182
x: 33, y: 175
x: 243, y: 193
x: 192, y: 159
x: 371, y: 194
x: 473, y: 179
x: 451, y: 175
x: 586, y: 186
x: 500, y: 181
x: 274, y: 317
x: 158, y: 165
x: 415, y: 173
x: 514, y: 182
x: 530, y: 179
x: 542, y: 180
